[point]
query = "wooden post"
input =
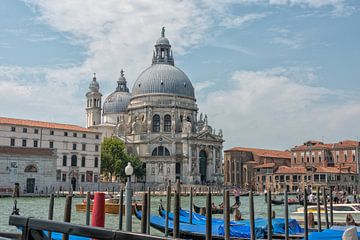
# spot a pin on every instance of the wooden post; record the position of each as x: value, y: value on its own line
x: 168, y: 203
x: 252, y: 216
x: 191, y: 205
x: 176, y: 233
x: 208, y: 215
x: 121, y: 208
x: 226, y: 214
x: 144, y: 213
x: 331, y: 208
x: 325, y: 208
x: 51, y: 210
x: 286, y: 214
x: 311, y: 220
x: 88, y: 202
x: 178, y: 188
x: 306, y: 227
x: 67, y: 214
x: 148, y: 211
x: 318, y: 208
x: 269, y: 228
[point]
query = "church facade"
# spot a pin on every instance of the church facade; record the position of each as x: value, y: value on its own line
x: 159, y: 121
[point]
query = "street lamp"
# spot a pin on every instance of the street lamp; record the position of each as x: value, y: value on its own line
x: 128, y: 215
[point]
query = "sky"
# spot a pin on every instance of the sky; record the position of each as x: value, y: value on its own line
x: 269, y: 73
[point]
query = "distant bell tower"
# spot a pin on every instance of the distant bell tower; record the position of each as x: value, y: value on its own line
x: 93, y: 104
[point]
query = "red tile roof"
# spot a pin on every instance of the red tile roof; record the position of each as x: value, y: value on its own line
x: 27, y: 151
x: 290, y: 170
x: 347, y: 143
x: 40, y: 124
x: 320, y: 145
x: 262, y: 152
x: 265, y: 165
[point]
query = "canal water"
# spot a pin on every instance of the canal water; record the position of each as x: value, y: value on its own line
x: 38, y: 207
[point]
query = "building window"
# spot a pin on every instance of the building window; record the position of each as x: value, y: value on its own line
x: 345, y: 157
x: 36, y: 131
x: 73, y: 160
x: 319, y: 158
x: 51, y: 144
x: 64, y: 177
x: 64, y: 161
x: 307, y: 159
x: 24, y: 142
x: 12, y: 142
x: 74, y: 146
x: 160, y: 151
x: 24, y: 130
x: 156, y: 123
x: 74, y: 134
x: 96, y: 162
x: 58, y: 175
x: 83, y: 147
x: 35, y: 143
x: 83, y: 161
x: 294, y: 159
x: 84, y: 135
x: 51, y: 132
x: 82, y: 177
x: 13, y: 129
x: 167, y: 123
x: 96, y: 148
x: 353, y: 157
x: 95, y: 178
x: 96, y: 136
x: 302, y: 159
x: 65, y: 134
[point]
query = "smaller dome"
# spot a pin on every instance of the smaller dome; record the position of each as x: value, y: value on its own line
x: 94, y: 85
x: 162, y: 41
x: 117, y: 102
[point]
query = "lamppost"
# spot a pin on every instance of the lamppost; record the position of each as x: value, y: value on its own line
x: 128, y: 215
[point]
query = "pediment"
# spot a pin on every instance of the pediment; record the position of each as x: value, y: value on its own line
x: 161, y: 139
x: 207, y: 136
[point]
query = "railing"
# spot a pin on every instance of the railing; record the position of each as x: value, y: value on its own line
x: 37, y: 229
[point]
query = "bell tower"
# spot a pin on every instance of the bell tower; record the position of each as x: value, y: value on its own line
x: 93, y: 104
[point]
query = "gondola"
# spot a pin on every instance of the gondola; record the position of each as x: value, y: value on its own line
x: 219, y: 210
x: 301, y: 202
x: 280, y: 202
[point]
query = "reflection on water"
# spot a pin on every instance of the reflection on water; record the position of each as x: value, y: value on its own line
x: 38, y: 208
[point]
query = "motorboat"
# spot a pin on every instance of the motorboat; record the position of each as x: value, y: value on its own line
x: 340, y: 212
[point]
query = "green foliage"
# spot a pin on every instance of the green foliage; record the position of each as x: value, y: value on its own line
x: 114, y: 159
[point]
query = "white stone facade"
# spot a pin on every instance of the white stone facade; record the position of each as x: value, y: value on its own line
x: 78, y: 149
x: 33, y: 168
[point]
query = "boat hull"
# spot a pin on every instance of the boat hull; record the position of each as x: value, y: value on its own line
x: 112, y: 208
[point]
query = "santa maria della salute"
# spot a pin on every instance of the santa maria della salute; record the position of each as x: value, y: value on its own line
x: 159, y: 121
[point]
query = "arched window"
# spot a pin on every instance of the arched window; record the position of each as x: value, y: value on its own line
x: 156, y: 123
x: 160, y: 151
x: 73, y: 160
x: 30, y: 168
x: 167, y: 123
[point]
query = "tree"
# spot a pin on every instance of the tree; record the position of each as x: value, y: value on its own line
x: 114, y: 159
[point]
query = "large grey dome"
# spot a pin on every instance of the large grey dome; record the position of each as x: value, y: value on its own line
x: 163, y: 78
x: 117, y: 102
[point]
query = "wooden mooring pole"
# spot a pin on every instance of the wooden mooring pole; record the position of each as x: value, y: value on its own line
x: 67, y: 214
x: 286, y: 214
x: 325, y: 208
x: 121, y: 208
x: 226, y: 214
x: 269, y: 216
x: 252, y: 216
x: 148, y: 211
x: 306, y: 227
x: 331, y: 207
x: 318, y: 208
x: 88, y: 202
x: 208, y: 215
x: 144, y: 213
x: 191, y: 205
x: 176, y: 233
x: 51, y: 210
x: 168, y: 204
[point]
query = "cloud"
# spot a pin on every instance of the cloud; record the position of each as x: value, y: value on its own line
x: 238, y: 21
x: 270, y: 108
x: 283, y: 36
x: 199, y: 86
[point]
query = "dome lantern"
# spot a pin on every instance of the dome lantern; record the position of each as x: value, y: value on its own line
x: 163, y: 53
x: 94, y: 85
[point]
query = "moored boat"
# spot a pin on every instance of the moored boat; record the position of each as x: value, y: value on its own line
x: 340, y: 211
x: 217, y: 210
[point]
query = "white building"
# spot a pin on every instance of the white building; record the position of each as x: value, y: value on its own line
x: 33, y: 168
x: 159, y: 122
x: 77, y: 148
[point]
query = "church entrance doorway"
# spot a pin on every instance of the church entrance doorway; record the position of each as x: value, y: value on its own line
x: 202, y: 165
x: 73, y: 183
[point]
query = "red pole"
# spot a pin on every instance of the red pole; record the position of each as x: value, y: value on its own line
x: 98, y: 214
